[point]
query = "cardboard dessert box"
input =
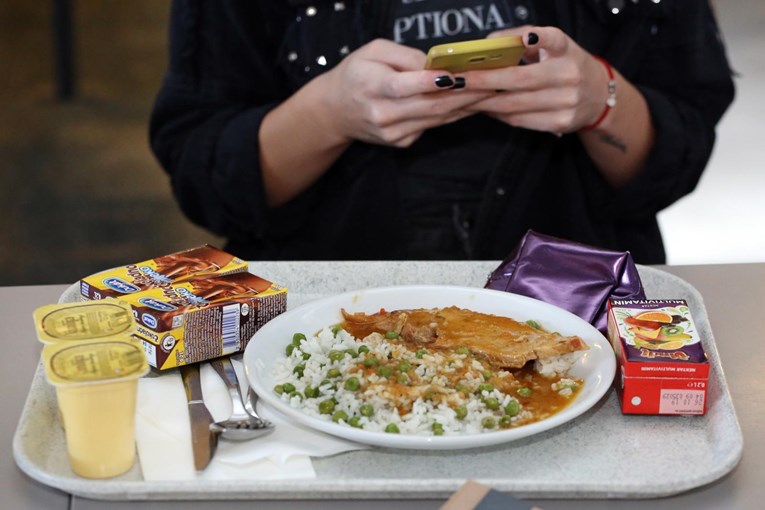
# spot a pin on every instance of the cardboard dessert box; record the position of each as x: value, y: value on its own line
x: 131, y: 278
x: 195, y: 320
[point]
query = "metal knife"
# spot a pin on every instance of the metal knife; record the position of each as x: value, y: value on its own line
x: 203, y: 439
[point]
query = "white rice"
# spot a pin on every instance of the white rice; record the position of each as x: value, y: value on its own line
x: 430, y: 395
x: 555, y: 366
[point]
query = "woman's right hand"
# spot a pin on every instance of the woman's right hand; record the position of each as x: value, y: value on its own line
x: 381, y: 94
x: 378, y: 94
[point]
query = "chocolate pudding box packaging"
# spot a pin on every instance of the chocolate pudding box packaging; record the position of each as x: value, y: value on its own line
x: 199, y: 261
x: 663, y: 368
x: 191, y: 306
x: 203, y: 318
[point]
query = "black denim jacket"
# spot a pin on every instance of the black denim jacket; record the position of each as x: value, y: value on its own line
x: 231, y: 62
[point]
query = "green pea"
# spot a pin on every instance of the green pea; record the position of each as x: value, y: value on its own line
x: 336, y: 355
x: 326, y: 406
x: 355, y: 422
x: 390, y: 335
x: 461, y: 412
x: 288, y: 350
x: 512, y: 408
x: 296, y: 394
x: 403, y: 365
x: 385, y: 372
x: 392, y: 428
x: 279, y: 389
x: 421, y: 353
x: 337, y: 328
x: 366, y: 410
x: 488, y: 422
x: 533, y: 324
x: 492, y: 403
x: 334, y: 372
x: 525, y: 392
x: 487, y: 373
x: 306, y: 356
x: 438, y: 429
x: 461, y: 387
x: 352, y: 384
x: 402, y: 379
x: 288, y: 387
x: 340, y: 415
x: 505, y: 421
x: 485, y: 387
x: 352, y: 353
x: 363, y: 348
x: 371, y: 361
x: 297, y: 338
x: 298, y: 370
x: 311, y: 392
x: 462, y: 350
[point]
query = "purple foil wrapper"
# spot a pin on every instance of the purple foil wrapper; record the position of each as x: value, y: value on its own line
x: 573, y: 276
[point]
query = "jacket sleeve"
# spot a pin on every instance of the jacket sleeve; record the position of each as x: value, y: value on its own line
x: 687, y: 82
x: 221, y: 82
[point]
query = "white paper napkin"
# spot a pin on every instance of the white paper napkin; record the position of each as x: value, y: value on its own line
x: 163, y: 436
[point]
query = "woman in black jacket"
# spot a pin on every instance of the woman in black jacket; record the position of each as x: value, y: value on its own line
x: 309, y: 130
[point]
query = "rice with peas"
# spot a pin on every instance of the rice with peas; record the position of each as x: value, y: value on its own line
x: 380, y: 384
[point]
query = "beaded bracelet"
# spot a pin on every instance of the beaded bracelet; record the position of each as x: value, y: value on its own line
x: 611, y: 100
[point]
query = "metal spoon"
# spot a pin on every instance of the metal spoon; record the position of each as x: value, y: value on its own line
x: 241, y: 425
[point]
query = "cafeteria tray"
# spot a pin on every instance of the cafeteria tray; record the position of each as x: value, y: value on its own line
x: 601, y: 454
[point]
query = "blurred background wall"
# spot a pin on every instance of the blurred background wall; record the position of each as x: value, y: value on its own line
x: 80, y: 190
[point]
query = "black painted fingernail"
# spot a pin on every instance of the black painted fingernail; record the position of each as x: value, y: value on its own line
x: 444, y: 81
x: 459, y: 83
x: 533, y: 38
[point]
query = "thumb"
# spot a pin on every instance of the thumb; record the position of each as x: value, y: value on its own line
x: 544, y: 42
x: 510, y: 31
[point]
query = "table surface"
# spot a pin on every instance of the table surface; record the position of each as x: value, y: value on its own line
x: 734, y: 295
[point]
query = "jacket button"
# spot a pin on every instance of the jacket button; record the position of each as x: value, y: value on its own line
x: 522, y: 12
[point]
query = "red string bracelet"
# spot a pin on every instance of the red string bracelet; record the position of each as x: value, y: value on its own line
x: 611, y: 100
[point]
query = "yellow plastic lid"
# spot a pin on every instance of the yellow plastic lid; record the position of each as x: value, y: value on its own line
x: 94, y: 362
x: 91, y: 320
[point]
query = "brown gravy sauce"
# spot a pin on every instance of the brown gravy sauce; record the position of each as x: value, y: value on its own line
x: 542, y: 403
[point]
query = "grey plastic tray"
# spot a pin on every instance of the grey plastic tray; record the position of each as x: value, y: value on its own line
x: 602, y: 454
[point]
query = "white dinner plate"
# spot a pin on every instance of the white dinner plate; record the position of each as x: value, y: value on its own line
x: 595, y: 366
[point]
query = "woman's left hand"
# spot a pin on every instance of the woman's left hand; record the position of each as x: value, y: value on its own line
x: 561, y: 89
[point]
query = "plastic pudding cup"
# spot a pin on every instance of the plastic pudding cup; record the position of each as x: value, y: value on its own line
x: 96, y: 386
x: 87, y: 321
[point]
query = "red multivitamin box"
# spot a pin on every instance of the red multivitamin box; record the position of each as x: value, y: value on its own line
x: 663, y: 368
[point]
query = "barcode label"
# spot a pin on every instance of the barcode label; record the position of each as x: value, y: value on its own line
x: 230, y: 328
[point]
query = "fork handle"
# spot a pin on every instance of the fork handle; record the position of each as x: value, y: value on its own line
x: 226, y: 371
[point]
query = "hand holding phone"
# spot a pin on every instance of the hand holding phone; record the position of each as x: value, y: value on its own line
x: 463, y: 56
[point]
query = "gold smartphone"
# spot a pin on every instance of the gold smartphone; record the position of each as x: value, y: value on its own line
x: 477, y: 54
